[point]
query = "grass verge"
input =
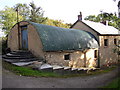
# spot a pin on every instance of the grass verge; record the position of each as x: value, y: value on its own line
x: 26, y: 71
x: 114, y: 84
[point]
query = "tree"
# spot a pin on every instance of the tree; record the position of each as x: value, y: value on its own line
x: 58, y: 23
x: 112, y: 19
x: 30, y: 12
x: 23, y: 10
x: 92, y: 18
x: 8, y: 18
x: 36, y: 13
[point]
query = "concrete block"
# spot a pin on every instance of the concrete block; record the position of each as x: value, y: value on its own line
x: 46, y: 68
x: 22, y: 63
x: 67, y: 70
x: 81, y: 70
x: 58, y: 69
x: 74, y: 70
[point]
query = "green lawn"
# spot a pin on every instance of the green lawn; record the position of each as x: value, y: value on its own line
x: 114, y: 84
x: 25, y: 71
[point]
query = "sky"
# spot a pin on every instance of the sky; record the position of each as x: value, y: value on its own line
x: 68, y: 10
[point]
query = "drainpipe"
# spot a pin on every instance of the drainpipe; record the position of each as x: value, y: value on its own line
x: 118, y: 51
x: 84, y: 57
x: 98, y: 66
x: 98, y: 58
x: 18, y: 29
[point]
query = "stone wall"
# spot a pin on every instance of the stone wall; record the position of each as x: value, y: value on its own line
x: 34, y: 42
x: 77, y: 58
x: 81, y: 26
x: 13, y: 38
x: 107, y: 55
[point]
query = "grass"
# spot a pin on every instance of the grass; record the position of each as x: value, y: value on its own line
x: 26, y: 71
x: 101, y: 71
x: 114, y: 84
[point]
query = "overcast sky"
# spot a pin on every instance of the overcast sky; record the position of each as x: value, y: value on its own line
x: 67, y: 10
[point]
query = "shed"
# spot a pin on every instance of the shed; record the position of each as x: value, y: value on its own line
x: 54, y: 44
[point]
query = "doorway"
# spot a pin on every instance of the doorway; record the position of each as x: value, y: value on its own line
x: 24, y: 33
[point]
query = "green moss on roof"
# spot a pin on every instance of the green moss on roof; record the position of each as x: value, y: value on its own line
x: 59, y: 39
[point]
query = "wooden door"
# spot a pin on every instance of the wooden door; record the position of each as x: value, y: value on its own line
x: 24, y: 38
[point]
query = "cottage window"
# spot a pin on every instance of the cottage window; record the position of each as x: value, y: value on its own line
x: 95, y: 54
x: 115, y: 41
x: 67, y: 57
x: 105, y: 42
x: 118, y: 42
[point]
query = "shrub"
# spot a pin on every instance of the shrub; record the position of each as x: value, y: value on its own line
x: 4, y: 45
x: 0, y: 45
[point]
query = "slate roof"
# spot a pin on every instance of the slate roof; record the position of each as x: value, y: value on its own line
x: 62, y: 39
x: 100, y: 28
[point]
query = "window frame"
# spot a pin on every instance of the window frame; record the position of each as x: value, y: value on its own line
x: 67, y: 57
x: 105, y: 42
x: 115, y: 41
x: 96, y: 54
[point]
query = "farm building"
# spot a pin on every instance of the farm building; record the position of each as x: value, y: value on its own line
x: 58, y: 46
x: 108, y: 38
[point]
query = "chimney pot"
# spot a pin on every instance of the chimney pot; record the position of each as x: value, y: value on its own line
x: 105, y: 23
x: 80, y: 16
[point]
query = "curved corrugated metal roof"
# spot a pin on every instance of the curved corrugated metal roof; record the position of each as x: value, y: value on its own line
x: 59, y: 39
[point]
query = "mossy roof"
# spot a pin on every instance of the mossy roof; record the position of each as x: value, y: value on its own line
x: 62, y: 39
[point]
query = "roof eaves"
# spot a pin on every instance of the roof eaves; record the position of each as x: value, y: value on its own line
x: 86, y: 25
x: 110, y: 35
x: 74, y: 24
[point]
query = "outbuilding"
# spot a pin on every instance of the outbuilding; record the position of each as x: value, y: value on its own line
x: 107, y: 36
x: 58, y: 46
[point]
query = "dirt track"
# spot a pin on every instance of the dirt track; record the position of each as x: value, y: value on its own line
x: 11, y: 80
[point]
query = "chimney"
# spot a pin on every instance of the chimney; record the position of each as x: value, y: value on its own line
x: 104, y: 22
x: 80, y: 17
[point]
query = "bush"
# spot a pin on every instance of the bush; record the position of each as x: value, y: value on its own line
x: 0, y: 45
x: 4, y: 45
